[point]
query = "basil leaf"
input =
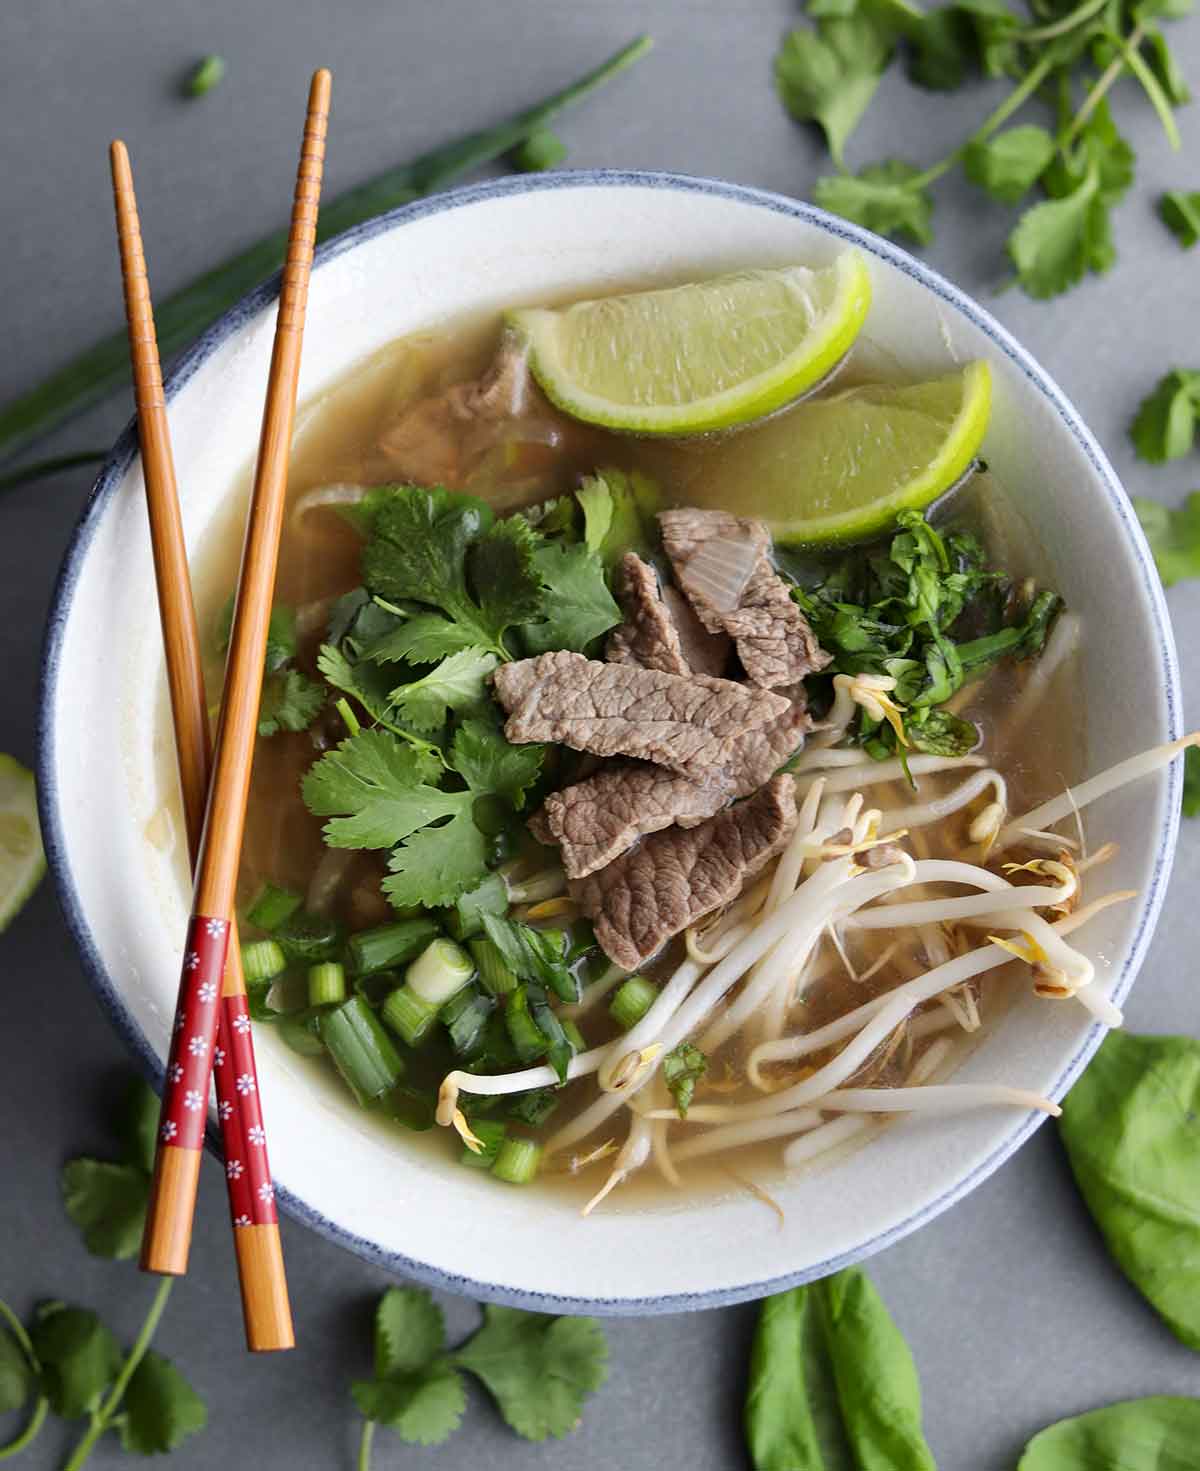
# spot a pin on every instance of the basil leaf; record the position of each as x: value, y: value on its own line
x: 780, y: 1432
x: 1156, y: 1434
x: 1131, y: 1130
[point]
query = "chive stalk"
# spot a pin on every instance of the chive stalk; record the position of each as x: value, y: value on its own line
x: 633, y: 999
x: 388, y: 945
x: 262, y: 960
x: 181, y: 318
x: 440, y: 971
x: 362, y: 1051
x: 491, y: 1134
x: 495, y: 976
x: 271, y: 907
x: 410, y: 1016
x: 326, y: 984
x: 517, y: 1161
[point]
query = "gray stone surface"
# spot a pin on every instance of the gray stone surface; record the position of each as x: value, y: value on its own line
x: 1015, y: 1315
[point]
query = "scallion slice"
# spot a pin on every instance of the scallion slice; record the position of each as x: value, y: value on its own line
x: 326, y: 984
x: 389, y: 944
x: 495, y: 975
x: 262, y: 960
x: 440, y: 971
x: 634, y: 998
x: 491, y: 1134
x: 517, y: 1161
x: 362, y: 1050
x: 410, y: 1016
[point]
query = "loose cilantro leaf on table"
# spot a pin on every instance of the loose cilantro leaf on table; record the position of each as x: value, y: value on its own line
x: 79, y: 1358
x: 1174, y: 537
x: 1181, y: 215
x: 829, y: 75
x: 540, y: 1369
x: 1165, y: 426
x: 107, y: 1201
x: 1009, y: 164
x: 160, y: 1409
x: 17, y: 1378
x: 886, y: 197
x: 1056, y: 243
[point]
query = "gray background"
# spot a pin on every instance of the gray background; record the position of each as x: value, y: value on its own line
x: 1013, y: 1310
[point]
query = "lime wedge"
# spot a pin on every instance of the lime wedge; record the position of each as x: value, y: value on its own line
x: 22, y: 862
x: 698, y: 357
x: 838, y: 468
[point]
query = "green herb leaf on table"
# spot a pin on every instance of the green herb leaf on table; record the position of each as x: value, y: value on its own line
x: 1009, y: 164
x: 1057, y: 242
x: 781, y: 1434
x: 1164, y: 67
x: 1155, y: 1434
x: 683, y: 1067
x: 290, y: 701
x: 578, y: 604
x: 1191, y: 782
x: 205, y: 76
x: 108, y: 1203
x: 829, y: 75
x: 137, y: 1123
x: 1174, y: 536
x: 410, y: 1332
x: 538, y: 1368
x: 886, y: 197
x: 423, y: 1408
x: 79, y: 1357
x: 1165, y: 425
x: 540, y: 151
x: 1131, y: 1127
x: 159, y: 1408
x: 1181, y: 215
x: 16, y: 1374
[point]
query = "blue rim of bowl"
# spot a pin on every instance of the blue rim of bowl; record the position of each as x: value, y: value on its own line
x: 117, y: 466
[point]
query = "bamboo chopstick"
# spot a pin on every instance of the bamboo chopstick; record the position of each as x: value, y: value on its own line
x: 172, y: 1202
x: 265, y: 1306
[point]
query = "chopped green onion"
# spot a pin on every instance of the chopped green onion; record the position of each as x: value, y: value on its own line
x: 573, y: 1035
x: 302, y: 1034
x: 490, y: 1133
x: 440, y: 971
x: 494, y: 975
x: 524, y: 1033
x: 517, y: 1161
x: 466, y: 1017
x: 205, y: 75
x: 533, y: 1108
x: 326, y: 984
x: 388, y: 945
x: 262, y: 960
x: 362, y: 1050
x: 463, y: 919
x: 633, y: 999
x: 272, y: 906
x: 307, y: 939
x: 410, y: 1016
x: 559, y: 1051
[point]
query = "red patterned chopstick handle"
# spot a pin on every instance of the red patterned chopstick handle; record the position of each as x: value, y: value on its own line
x: 212, y: 1038
x: 247, y: 1171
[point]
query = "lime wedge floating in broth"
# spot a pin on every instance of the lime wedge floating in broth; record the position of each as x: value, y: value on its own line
x: 838, y: 468
x: 704, y: 356
x: 22, y: 861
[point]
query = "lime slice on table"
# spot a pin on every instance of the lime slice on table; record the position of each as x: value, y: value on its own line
x: 698, y: 357
x: 838, y: 468
x: 22, y: 862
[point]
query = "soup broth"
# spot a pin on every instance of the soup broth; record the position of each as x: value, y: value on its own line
x: 343, y: 441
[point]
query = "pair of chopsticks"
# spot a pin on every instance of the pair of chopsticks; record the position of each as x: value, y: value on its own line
x: 212, y: 1026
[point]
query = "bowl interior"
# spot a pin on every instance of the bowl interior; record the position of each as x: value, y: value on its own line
x: 107, y: 763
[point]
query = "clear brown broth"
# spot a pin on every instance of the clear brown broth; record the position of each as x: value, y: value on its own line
x: 336, y: 441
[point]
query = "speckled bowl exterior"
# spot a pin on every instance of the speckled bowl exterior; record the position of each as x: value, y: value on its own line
x: 105, y: 763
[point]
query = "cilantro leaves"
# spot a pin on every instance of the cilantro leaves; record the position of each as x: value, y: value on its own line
x: 1165, y: 426
x: 108, y: 1201
x: 291, y: 700
x: 539, y: 1369
x: 1174, y: 537
x: 1069, y: 54
x: 683, y: 1067
x: 579, y: 606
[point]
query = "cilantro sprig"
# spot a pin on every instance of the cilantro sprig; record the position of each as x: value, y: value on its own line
x: 539, y: 1369
x: 66, y: 1361
x: 1066, y: 56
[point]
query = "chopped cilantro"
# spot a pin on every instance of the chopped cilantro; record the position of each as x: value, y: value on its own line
x: 579, y: 606
x: 1165, y: 426
x: 488, y: 763
x: 376, y: 791
x: 290, y: 701
x: 1174, y: 537
x: 683, y: 1067
x: 458, y: 683
x: 1181, y: 214
x: 437, y: 864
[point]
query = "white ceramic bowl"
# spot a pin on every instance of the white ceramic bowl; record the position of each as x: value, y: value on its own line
x: 105, y: 762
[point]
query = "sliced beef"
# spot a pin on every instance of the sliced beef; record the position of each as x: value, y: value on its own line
x: 596, y: 820
x: 674, y: 877
x: 721, y: 562
x: 660, y: 630
x: 686, y: 723
x: 755, y: 757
